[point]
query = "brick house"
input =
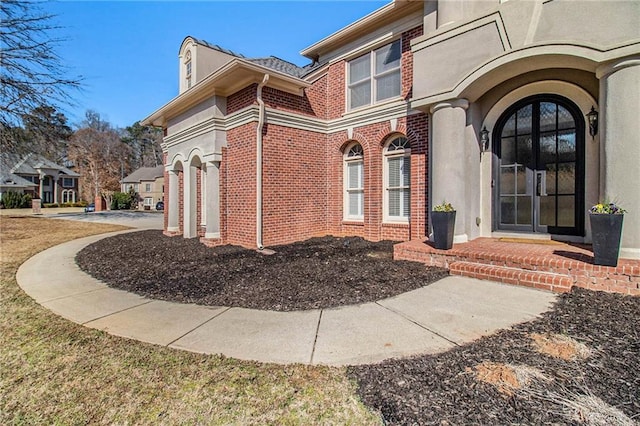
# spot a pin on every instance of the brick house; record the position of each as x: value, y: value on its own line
x: 148, y: 183
x: 41, y: 178
x: 484, y: 104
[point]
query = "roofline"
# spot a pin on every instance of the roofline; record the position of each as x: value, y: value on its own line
x: 207, y: 87
x: 360, y: 26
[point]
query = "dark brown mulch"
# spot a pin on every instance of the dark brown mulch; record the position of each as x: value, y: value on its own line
x: 443, y: 389
x: 317, y: 273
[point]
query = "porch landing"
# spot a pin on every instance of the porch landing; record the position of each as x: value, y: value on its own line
x: 541, y: 264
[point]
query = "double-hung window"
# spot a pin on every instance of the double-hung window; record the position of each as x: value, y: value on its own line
x: 375, y: 76
x: 67, y: 182
x: 397, y: 169
x: 354, y: 183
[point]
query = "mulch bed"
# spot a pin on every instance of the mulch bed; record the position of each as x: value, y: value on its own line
x: 444, y: 389
x: 317, y: 273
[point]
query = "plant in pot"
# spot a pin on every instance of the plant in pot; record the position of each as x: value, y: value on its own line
x: 606, y: 232
x: 443, y: 219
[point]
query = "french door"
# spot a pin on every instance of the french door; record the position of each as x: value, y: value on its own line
x: 538, y: 183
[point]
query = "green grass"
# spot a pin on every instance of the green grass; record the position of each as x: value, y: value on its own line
x: 53, y: 371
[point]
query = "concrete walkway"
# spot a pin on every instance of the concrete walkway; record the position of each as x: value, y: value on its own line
x: 428, y: 320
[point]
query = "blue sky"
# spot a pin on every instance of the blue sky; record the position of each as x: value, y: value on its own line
x: 127, y: 51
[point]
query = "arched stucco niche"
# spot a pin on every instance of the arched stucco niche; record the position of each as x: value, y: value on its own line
x: 573, y: 92
x: 520, y: 67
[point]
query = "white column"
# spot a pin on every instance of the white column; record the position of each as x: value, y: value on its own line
x: 204, y: 169
x: 172, y: 202
x: 619, y: 145
x: 42, y: 187
x: 448, y: 174
x: 189, y: 212
x: 55, y: 188
x: 212, y: 206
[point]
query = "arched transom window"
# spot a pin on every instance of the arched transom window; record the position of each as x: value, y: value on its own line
x: 354, y: 182
x: 397, y: 177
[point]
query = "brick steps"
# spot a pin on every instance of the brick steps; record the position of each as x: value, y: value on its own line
x: 541, y: 280
x: 556, y: 267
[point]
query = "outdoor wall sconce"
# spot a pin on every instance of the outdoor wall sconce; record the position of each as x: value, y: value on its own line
x: 592, y: 116
x: 484, y: 139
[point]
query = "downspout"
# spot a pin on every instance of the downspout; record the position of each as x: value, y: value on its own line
x: 261, y: 113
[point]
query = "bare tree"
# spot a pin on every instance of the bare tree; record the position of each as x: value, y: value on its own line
x: 31, y: 73
x: 98, y: 156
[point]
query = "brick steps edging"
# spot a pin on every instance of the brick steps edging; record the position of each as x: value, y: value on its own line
x: 541, y: 280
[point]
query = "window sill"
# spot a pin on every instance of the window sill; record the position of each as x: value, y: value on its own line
x: 353, y: 222
x: 373, y: 107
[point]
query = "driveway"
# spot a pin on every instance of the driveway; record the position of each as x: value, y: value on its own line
x: 141, y: 220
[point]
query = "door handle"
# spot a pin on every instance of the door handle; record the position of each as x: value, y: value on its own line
x: 541, y: 189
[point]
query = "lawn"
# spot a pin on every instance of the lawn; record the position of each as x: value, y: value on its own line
x: 55, y: 372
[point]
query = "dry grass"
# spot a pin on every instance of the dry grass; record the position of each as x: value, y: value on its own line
x: 560, y: 346
x: 55, y: 372
x: 508, y: 378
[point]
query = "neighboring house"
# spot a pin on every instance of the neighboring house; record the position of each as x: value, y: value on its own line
x: 41, y: 178
x: 148, y: 183
x: 389, y: 118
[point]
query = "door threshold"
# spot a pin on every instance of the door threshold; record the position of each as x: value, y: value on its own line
x: 522, y: 235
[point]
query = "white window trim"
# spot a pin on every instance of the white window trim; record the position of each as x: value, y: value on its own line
x: 405, y: 153
x: 148, y: 201
x: 372, y: 78
x: 345, y: 181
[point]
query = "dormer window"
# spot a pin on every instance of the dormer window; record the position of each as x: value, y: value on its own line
x: 187, y: 65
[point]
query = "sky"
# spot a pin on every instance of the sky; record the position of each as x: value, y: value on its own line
x: 127, y: 51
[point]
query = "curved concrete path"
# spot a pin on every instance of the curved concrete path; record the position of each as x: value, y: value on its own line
x: 428, y: 320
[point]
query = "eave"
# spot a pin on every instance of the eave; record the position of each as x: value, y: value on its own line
x: 385, y: 15
x: 228, y: 79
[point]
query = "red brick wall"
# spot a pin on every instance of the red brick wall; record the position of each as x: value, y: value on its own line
x: 317, y: 95
x: 278, y: 99
x: 336, y: 90
x: 242, y: 99
x: 240, y: 178
x: 294, y: 185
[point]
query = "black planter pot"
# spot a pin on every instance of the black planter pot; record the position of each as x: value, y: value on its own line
x: 606, y: 230
x: 443, y: 224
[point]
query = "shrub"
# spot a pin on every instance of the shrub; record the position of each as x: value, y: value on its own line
x: 50, y: 205
x: 15, y: 200
x: 121, y: 201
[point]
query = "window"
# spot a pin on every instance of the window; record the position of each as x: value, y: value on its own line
x: 354, y: 183
x: 375, y: 76
x: 397, y: 171
x: 67, y: 182
x: 147, y: 187
x: 148, y: 201
x: 68, y: 196
x: 187, y: 65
